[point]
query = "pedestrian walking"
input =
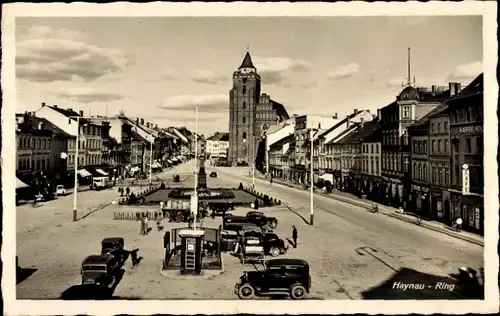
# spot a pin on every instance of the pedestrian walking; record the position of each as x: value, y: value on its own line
x: 295, y: 235
x: 133, y: 255
x: 458, y: 224
x: 127, y: 190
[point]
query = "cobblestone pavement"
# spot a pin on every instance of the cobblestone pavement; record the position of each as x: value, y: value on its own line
x: 56, y: 247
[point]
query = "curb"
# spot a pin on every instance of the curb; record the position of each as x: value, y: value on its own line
x: 362, y: 205
x: 473, y: 241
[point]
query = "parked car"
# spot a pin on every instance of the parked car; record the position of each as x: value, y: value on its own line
x: 61, y: 190
x: 213, y: 174
x: 114, y: 246
x: 280, y: 276
x: 220, y: 207
x: 228, y: 240
x: 273, y: 244
x: 99, y: 270
x: 253, y: 217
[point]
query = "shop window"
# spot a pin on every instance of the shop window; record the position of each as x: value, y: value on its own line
x: 469, y: 114
x: 244, y: 104
x: 468, y: 145
x: 244, y: 119
x: 479, y: 145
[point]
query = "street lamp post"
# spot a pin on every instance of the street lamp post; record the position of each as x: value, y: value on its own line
x: 75, y: 195
x: 151, y: 162
x: 311, y: 179
x: 195, y: 208
x: 253, y: 164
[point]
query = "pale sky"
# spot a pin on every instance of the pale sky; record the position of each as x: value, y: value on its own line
x: 158, y: 68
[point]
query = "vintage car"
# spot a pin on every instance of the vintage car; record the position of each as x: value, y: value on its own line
x: 213, y: 174
x: 219, y: 208
x: 99, y: 270
x: 61, y: 190
x: 228, y: 225
x: 273, y: 245
x: 252, y: 247
x: 253, y: 217
x: 279, y: 277
x: 114, y: 246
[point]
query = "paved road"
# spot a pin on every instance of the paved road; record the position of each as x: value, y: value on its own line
x: 55, y: 246
x: 343, y: 228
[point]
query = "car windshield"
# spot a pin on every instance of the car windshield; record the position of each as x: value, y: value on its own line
x: 94, y: 267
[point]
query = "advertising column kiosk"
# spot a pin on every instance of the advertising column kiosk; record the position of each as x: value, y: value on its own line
x: 191, y: 241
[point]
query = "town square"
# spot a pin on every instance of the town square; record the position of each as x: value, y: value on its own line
x: 192, y: 165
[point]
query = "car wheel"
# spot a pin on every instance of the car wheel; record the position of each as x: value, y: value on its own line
x: 246, y: 292
x: 297, y: 292
x: 274, y: 251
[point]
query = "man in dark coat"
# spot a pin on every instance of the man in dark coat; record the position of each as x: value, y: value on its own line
x: 295, y: 235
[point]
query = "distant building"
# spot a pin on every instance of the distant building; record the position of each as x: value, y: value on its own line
x: 217, y: 146
x: 250, y: 113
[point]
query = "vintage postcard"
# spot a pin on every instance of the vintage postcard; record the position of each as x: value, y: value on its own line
x: 250, y: 158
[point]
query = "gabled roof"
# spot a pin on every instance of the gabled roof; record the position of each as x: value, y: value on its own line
x: 55, y: 130
x: 284, y: 140
x: 64, y: 112
x: 474, y: 88
x: 344, y: 133
x: 219, y: 137
x: 247, y: 62
x: 425, y: 119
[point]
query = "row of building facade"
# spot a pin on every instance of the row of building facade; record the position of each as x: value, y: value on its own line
x: 47, y: 145
x: 423, y: 152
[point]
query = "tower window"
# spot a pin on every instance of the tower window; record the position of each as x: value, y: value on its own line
x: 244, y: 136
x: 244, y: 119
x: 244, y: 89
x: 244, y: 104
x: 244, y: 80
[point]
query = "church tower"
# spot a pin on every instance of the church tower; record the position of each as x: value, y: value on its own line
x: 243, y: 101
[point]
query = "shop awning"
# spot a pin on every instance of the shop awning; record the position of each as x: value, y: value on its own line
x: 84, y: 173
x: 133, y: 169
x: 179, y: 157
x: 174, y: 159
x: 156, y: 165
x: 327, y: 177
x: 169, y: 161
x: 20, y: 184
x: 102, y: 172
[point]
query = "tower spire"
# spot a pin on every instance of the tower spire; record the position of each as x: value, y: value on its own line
x: 409, y: 66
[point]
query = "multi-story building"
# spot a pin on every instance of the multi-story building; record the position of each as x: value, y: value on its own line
x: 410, y: 105
x: 439, y: 164
x: 467, y: 150
x: 419, y: 198
x: 371, y: 158
x: 34, y: 148
x: 328, y: 142
x: 217, y: 146
x: 279, y: 157
x: 250, y: 113
x: 353, y: 158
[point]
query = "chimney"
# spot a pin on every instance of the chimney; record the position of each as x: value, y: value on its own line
x: 142, y: 121
x: 355, y: 111
x: 336, y: 116
x: 362, y: 121
x: 70, y: 109
x: 137, y: 121
x: 347, y: 122
x: 43, y: 104
x: 156, y: 126
x: 454, y: 88
x: 55, y: 105
x: 81, y: 112
x: 433, y: 88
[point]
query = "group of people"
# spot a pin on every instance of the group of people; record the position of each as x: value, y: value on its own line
x: 125, y: 191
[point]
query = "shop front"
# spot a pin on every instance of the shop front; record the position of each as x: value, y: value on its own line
x: 436, y: 204
x: 471, y: 209
x: 419, y: 202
